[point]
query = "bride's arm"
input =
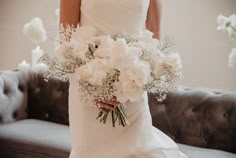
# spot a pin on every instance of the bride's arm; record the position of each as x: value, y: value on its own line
x: 69, y: 12
x: 153, y: 21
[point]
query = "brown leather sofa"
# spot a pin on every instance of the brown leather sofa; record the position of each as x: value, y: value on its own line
x: 34, y: 117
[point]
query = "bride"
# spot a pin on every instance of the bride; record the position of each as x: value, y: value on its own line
x: 91, y: 139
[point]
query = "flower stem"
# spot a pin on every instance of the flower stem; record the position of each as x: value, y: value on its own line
x: 118, y: 113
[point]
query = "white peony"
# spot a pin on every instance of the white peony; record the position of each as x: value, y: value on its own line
x: 94, y: 72
x: 123, y: 56
x: 35, y: 31
x: 105, y: 47
x: 232, y: 58
x: 139, y: 73
x: 131, y: 82
x: 172, y: 60
x: 127, y: 89
x: 80, y: 49
x: 147, y: 37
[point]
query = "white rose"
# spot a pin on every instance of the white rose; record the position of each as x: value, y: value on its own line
x: 232, y: 58
x: 35, y: 31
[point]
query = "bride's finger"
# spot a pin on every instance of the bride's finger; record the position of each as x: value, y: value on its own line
x: 115, y: 103
x: 107, y: 106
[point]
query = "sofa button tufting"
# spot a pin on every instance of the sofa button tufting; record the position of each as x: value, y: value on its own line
x: 15, y: 114
x: 46, y: 115
x: 21, y: 87
x: 226, y: 114
x: 6, y: 91
x: 27, y: 110
x: 37, y: 90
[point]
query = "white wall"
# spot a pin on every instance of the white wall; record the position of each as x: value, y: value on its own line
x: 192, y: 23
x: 15, y: 47
x: 203, y: 49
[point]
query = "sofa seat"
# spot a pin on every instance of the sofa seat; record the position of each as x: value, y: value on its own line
x: 196, y: 152
x: 32, y: 138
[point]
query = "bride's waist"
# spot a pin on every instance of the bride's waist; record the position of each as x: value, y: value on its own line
x: 121, y: 23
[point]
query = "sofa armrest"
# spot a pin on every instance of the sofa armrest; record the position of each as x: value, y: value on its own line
x: 13, y: 95
x: 199, y: 117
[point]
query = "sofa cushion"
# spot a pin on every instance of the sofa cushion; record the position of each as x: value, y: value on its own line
x: 34, y: 138
x: 40, y: 139
x: 196, y: 152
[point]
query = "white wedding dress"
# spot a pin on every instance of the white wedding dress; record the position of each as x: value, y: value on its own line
x: 92, y: 139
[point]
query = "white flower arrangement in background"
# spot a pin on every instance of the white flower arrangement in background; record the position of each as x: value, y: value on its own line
x: 232, y: 59
x: 35, y: 30
x: 228, y: 24
x: 122, y: 66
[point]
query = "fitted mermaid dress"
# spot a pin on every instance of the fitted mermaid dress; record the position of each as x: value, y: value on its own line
x: 92, y: 139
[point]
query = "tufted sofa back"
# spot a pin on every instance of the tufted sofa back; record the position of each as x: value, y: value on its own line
x: 198, y: 117
x: 48, y: 100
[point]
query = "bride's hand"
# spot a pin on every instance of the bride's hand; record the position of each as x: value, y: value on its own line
x: 109, y: 105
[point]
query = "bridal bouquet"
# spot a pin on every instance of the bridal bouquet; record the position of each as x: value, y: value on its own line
x: 122, y: 66
x: 228, y: 24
